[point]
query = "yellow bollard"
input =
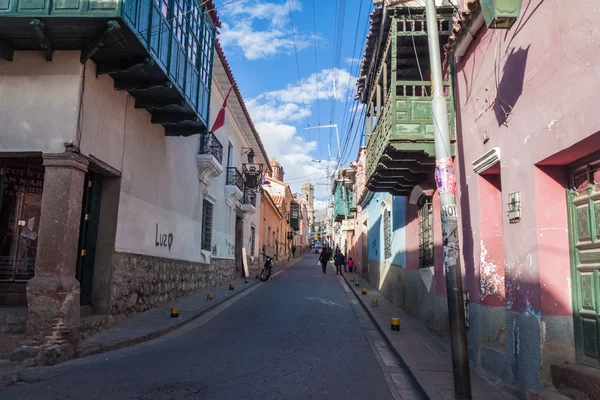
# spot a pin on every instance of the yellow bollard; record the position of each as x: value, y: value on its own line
x: 364, y: 291
x: 396, y: 324
x: 375, y: 302
x: 352, y: 277
x: 174, y: 312
x: 209, y: 296
x: 246, y: 280
x: 356, y: 283
x: 231, y: 286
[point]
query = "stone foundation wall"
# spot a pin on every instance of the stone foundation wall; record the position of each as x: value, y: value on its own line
x: 13, y: 319
x: 140, y: 283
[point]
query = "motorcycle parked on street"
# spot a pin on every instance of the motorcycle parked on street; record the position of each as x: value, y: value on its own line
x: 265, y: 274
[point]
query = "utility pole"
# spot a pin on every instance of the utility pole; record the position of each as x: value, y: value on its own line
x: 446, y: 183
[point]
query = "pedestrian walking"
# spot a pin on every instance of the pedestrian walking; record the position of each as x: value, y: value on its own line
x: 350, y: 264
x: 324, y: 258
x: 293, y: 251
x: 338, y: 260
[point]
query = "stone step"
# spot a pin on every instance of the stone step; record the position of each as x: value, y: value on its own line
x: 545, y: 394
x: 13, y: 319
x: 577, y: 381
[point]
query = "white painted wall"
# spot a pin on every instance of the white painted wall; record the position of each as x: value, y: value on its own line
x: 160, y: 189
x: 39, y: 101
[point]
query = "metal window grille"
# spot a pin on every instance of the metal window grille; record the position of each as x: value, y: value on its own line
x: 234, y: 177
x: 252, y: 240
x: 387, y: 234
x: 207, y: 223
x: 425, y: 232
x: 209, y: 144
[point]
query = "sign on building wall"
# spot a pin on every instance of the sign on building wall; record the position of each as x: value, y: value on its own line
x: 348, y: 225
x: 295, y: 216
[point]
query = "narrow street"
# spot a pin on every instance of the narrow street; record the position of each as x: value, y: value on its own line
x: 299, y: 336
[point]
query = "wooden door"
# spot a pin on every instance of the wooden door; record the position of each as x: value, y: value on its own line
x: 584, y: 226
x: 88, y: 234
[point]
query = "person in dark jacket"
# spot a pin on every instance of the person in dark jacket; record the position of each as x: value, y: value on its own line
x: 324, y: 258
x: 338, y: 260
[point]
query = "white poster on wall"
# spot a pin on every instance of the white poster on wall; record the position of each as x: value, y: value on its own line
x: 245, y: 262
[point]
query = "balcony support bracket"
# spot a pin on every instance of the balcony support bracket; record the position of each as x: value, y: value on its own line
x: 172, y: 117
x: 157, y: 104
x: 6, y: 52
x: 132, y: 85
x: 122, y: 66
x: 43, y: 37
x: 208, y: 168
x: 175, y: 130
x: 98, y: 43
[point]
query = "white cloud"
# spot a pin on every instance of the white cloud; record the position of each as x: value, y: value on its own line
x: 350, y: 60
x: 276, y: 112
x: 260, y: 28
x: 306, y: 89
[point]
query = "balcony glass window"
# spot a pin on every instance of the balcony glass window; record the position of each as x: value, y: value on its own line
x: 164, y: 7
x: 179, y: 20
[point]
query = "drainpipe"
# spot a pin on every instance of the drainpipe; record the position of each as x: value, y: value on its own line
x: 446, y: 182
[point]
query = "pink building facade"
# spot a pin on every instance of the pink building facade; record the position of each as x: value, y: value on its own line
x: 526, y: 138
x: 528, y: 134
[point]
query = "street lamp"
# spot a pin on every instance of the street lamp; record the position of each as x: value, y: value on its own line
x: 252, y: 172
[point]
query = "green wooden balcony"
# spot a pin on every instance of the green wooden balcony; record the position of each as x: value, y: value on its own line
x: 400, y: 151
x: 342, y: 203
x: 160, y: 51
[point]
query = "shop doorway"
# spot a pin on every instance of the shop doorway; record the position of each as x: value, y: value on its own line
x: 239, y: 242
x: 21, y: 185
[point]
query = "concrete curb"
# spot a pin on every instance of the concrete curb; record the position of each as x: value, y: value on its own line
x: 23, y: 374
x: 162, y: 332
x: 427, y: 389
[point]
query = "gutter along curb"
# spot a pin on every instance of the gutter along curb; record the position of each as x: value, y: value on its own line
x: 427, y: 389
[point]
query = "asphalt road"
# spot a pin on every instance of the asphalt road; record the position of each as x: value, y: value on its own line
x: 298, y: 336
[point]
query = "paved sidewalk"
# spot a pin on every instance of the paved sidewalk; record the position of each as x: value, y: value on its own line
x: 427, y: 360
x: 158, y: 322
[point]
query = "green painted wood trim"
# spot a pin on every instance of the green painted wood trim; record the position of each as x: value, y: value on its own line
x: 575, y: 295
x: 420, y: 83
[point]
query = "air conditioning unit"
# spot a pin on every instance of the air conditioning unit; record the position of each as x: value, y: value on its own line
x: 500, y: 14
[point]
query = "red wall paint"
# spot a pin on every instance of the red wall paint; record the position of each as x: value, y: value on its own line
x: 553, y: 240
x: 491, y: 261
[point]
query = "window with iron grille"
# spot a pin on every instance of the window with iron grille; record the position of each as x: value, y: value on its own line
x: 425, y: 232
x: 207, y: 223
x: 252, y: 240
x: 387, y: 234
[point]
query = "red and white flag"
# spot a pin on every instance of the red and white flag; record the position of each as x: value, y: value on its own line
x: 220, y: 121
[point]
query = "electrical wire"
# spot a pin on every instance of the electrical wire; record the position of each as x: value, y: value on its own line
x: 316, y: 63
x: 298, y: 64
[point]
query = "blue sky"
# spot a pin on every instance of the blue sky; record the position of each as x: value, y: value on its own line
x: 257, y: 38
